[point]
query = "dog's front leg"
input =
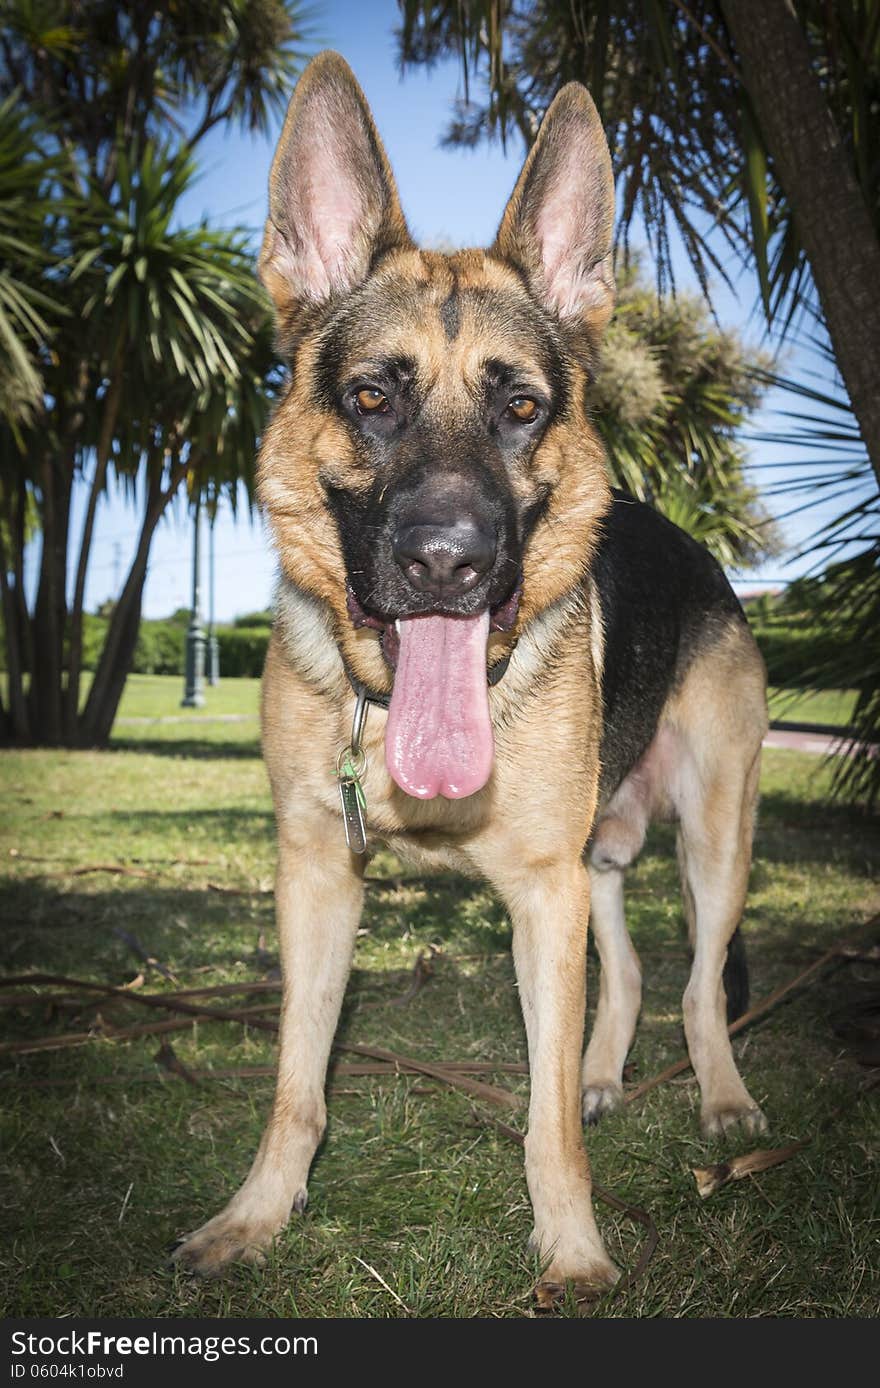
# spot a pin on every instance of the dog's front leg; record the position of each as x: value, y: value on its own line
x: 550, y: 905
x: 319, y: 894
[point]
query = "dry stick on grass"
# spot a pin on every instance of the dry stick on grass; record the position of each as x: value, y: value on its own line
x: 140, y: 953
x: 422, y: 970
x: 353, y: 1069
x: 106, y: 1032
x: 167, y: 1057
x: 239, y: 891
x: 476, y: 1088
x: 634, y: 1212
x: 712, y: 1178
x: 838, y: 955
x: 113, y: 869
x: 219, y: 990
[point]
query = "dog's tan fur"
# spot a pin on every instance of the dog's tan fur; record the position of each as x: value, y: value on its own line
x: 525, y: 831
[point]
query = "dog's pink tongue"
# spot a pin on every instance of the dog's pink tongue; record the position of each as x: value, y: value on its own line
x: 438, y: 740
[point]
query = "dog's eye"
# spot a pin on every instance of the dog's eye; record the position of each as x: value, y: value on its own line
x: 523, y: 408
x: 370, y: 401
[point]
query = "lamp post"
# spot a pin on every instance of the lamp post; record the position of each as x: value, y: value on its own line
x: 194, y: 688
x: 213, y: 644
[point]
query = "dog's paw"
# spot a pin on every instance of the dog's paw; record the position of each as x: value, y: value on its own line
x: 223, y: 1240
x: 600, y: 1099
x: 586, y: 1287
x: 727, y: 1120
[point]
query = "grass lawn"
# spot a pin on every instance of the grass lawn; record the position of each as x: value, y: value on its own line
x: 833, y: 707
x: 105, y: 1158
x: 158, y: 696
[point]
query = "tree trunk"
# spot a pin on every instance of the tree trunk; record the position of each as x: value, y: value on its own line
x: 50, y: 611
x: 98, y: 724
x: 16, y: 725
x: 97, y: 717
x: 112, y: 402
x: 831, y: 217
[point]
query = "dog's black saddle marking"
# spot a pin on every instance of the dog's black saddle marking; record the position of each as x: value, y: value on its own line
x: 663, y: 600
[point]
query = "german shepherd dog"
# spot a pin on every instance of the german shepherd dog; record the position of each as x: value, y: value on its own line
x: 559, y: 664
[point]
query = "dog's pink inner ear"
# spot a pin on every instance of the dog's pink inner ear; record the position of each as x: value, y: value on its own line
x: 331, y: 195
x: 571, y: 233
x: 559, y: 223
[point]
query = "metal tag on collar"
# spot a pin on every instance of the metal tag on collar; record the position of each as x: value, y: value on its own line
x: 351, y: 764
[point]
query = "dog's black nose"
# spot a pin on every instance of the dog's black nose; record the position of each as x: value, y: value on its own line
x: 444, y: 560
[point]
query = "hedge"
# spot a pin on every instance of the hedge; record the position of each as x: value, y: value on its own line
x: 794, y: 654
x: 161, y: 647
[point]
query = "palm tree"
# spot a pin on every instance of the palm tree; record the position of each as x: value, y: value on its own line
x: 165, y: 327
x: 160, y: 307
x: 671, y: 395
x: 27, y: 311
x: 758, y: 119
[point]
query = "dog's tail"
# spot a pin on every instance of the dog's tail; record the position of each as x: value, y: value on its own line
x: 736, y: 977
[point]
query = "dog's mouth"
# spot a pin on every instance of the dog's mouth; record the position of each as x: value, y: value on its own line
x: 438, y: 740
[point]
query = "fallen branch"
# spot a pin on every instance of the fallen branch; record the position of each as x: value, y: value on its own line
x: 82, y: 1038
x: 712, y: 1178
x: 167, y: 1057
x: 239, y: 891
x: 167, y: 1001
x: 837, y: 956
x: 421, y: 972
x: 218, y: 990
x: 348, y: 1070
x: 140, y: 953
x: 477, y: 1088
x: 113, y: 869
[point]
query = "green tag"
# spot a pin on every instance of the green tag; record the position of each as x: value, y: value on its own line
x: 349, y: 770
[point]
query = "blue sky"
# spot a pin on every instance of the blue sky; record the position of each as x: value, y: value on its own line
x: 454, y: 196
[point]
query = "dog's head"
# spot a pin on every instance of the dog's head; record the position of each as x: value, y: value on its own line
x: 432, y: 457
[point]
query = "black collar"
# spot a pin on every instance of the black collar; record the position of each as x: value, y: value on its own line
x: 495, y: 675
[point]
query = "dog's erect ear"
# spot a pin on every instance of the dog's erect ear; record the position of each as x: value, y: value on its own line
x: 559, y: 222
x: 333, y: 205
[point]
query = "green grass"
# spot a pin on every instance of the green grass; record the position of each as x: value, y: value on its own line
x: 101, y: 1177
x: 833, y: 707
x: 159, y: 696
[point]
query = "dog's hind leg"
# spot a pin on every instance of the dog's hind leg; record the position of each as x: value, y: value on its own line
x: 616, y: 840
x: 716, y: 796
x: 319, y: 894
x: 620, y: 992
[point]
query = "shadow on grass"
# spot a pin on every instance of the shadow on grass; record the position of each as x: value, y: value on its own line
x: 225, y: 824
x: 203, y: 749
x: 185, y: 927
